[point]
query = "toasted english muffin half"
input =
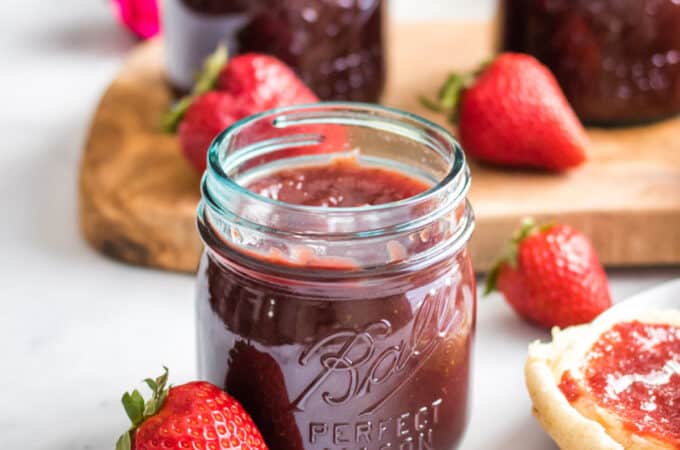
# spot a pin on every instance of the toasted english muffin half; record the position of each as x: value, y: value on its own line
x: 584, y: 424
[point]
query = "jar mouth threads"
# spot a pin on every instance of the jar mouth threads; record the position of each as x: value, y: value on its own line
x: 296, y: 136
x: 224, y: 163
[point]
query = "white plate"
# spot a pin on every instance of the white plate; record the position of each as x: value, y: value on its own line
x: 666, y: 295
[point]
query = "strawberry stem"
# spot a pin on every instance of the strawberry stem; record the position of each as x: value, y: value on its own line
x: 450, y: 94
x: 207, y: 78
x: 138, y: 410
x: 124, y: 442
x: 206, y: 81
x: 432, y: 105
x: 134, y: 406
x: 509, y: 254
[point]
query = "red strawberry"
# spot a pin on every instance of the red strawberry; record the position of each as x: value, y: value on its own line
x: 513, y: 113
x: 208, y: 115
x: 248, y: 84
x: 211, y: 113
x: 263, y: 82
x: 191, y: 416
x: 552, y: 277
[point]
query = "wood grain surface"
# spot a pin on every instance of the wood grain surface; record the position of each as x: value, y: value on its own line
x: 138, y: 196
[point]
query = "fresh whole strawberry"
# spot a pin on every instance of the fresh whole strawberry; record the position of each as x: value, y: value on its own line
x: 551, y: 276
x: 513, y: 113
x: 263, y: 82
x: 211, y: 113
x: 228, y: 90
x: 207, y: 116
x: 195, y: 415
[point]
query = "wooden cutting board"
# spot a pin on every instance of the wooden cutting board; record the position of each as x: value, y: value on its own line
x: 138, y: 196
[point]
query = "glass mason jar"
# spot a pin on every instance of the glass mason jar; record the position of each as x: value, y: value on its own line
x: 336, y: 46
x: 618, y: 61
x: 347, y: 327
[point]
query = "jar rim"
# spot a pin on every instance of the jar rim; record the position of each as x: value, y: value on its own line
x: 457, y: 175
x: 257, y: 231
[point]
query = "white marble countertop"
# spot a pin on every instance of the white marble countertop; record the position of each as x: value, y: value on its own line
x: 77, y: 329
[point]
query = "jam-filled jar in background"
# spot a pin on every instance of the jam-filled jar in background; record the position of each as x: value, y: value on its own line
x: 348, y: 325
x: 618, y: 61
x: 336, y: 46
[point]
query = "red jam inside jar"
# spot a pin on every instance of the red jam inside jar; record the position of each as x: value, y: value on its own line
x: 335, y: 46
x: 618, y: 61
x: 336, y: 298
x: 340, y: 183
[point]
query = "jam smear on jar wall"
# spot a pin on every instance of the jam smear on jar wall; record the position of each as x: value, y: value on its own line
x: 618, y: 61
x: 335, y: 46
x: 359, y: 362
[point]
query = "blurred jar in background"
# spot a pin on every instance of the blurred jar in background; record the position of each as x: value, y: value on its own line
x: 618, y: 61
x: 336, y: 46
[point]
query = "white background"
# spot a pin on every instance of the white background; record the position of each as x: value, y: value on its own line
x: 76, y: 329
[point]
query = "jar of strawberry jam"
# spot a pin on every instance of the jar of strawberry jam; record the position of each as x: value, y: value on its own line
x: 336, y: 46
x: 618, y: 61
x: 336, y: 298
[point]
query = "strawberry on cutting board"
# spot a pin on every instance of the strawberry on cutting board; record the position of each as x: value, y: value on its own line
x: 229, y: 90
x: 262, y: 82
x: 206, y: 117
x: 195, y: 415
x: 513, y: 113
x: 551, y: 276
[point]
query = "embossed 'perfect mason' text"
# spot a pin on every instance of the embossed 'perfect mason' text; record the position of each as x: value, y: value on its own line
x: 412, y: 430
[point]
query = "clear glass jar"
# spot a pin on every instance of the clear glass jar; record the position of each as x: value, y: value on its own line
x: 339, y: 328
x: 618, y: 61
x: 336, y: 46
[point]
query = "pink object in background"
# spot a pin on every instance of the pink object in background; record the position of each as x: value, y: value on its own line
x: 139, y: 16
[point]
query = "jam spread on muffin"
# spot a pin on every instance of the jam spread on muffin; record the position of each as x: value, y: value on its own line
x: 633, y: 372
